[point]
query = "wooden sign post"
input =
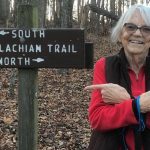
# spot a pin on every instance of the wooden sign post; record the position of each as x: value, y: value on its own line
x: 27, y: 88
x: 29, y: 48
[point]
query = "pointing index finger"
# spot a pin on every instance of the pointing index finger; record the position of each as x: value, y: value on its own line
x: 95, y: 86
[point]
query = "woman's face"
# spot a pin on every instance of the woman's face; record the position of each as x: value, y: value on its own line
x: 135, y: 43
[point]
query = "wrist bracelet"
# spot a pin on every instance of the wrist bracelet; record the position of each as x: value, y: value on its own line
x: 141, y: 120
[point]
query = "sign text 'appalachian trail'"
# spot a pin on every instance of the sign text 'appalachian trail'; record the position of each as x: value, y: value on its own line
x: 42, y: 48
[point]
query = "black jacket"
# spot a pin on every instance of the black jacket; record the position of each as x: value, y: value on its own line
x: 116, y: 72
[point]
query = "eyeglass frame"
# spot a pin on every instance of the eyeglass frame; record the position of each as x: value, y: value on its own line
x: 137, y: 27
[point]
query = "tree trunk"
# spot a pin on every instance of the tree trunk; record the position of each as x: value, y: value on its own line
x: 123, y: 4
x: 78, y: 10
x: 81, y: 11
x: 93, y: 17
x: 102, y: 17
x: 66, y: 13
x: 128, y: 3
x: 92, y: 14
x: 119, y: 7
x: 56, y: 13
x: 84, y: 18
x: 112, y: 6
x: 98, y: 19
x: 15, y: 13
x: 103, y: 12
x: 42, y: 15
x: 4, y: 12
x: 133, y: 2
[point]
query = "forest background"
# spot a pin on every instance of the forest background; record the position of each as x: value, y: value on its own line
x: 62, y: 102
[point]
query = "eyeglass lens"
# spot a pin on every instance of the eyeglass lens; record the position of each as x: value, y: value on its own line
x: 130, y: 27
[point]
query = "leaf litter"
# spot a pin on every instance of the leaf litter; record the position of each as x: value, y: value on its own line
x: 62, y: 105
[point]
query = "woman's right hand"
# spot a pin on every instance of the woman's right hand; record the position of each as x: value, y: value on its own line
x: 145, y: 102
x: 111, y: 93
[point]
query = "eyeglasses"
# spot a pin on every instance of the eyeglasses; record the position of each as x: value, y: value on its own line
x: 131, y: 28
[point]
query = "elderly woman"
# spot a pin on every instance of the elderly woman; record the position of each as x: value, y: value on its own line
x: 120, y: 103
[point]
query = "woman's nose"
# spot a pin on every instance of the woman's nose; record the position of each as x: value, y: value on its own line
x: 138, y: 32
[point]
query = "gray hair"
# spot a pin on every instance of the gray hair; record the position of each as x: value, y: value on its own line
x: 145, y: 13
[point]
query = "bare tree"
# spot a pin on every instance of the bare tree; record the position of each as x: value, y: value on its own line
x: 93, y: 17
x: 98, y: 18
x: 142, y: 1
x: 4, y: 12
x: 78, y: 10
x: 84, y: 16
x: 56, y: 13
x: 4, y: 22
x: 42, y: 12
x: 119, y: 12
x: 66, y: 13
x: 112, y: 6
x: 80, y: 7
x: 133, y: 2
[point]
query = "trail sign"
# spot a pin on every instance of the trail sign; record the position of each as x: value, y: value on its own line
x: 42, y: 48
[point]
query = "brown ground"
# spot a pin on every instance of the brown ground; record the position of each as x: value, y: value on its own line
x: 62, y: 120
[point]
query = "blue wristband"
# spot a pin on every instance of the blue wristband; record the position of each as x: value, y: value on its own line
x: 141, y: 120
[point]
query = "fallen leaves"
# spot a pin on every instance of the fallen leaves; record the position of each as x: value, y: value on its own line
x: 8, y: 120
x: 62, y: 104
